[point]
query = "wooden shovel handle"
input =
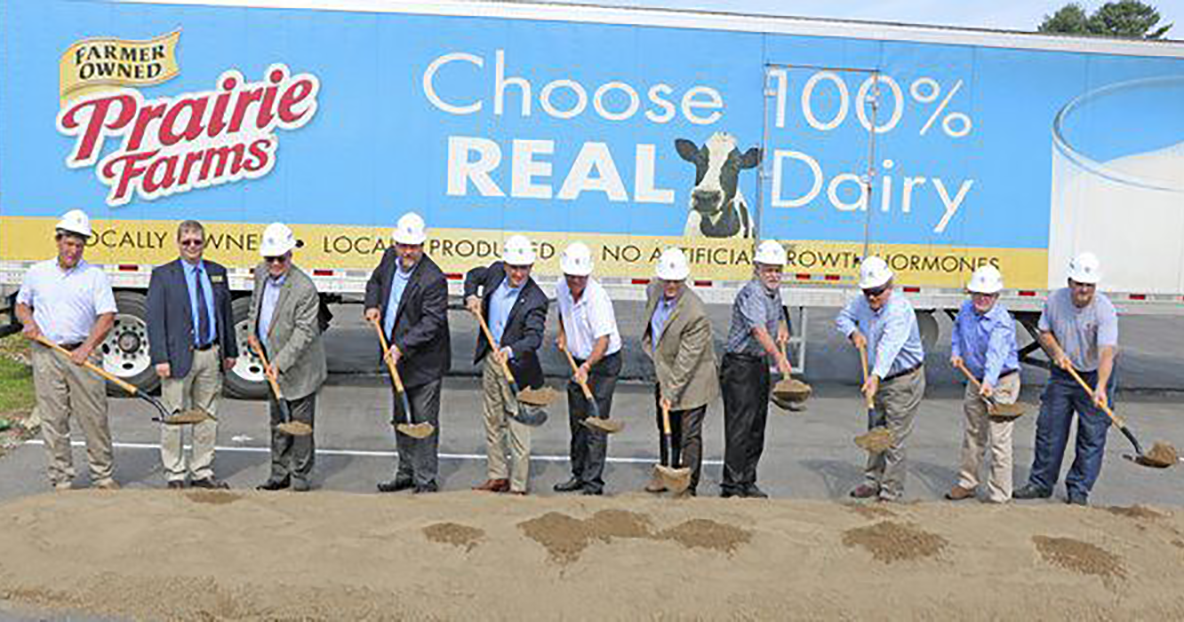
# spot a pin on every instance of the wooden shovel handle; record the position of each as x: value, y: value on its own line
x: 571, y: 361
x: 969, y: 376
x: 385, y: 350
x: 871, y: 403
x: 665, y: 419
x: 121, y: 383
x: 275, y: 386
x: 1090, y: 392
x: 493, y: 346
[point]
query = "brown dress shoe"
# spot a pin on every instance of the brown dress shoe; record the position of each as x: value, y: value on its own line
x: 865, y: 491
x: 519, y: 493
x: 958, y: 493
x: 494, y: 485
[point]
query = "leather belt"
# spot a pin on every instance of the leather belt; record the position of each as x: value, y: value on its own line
x: 205, y: 347
x: 891, y: 377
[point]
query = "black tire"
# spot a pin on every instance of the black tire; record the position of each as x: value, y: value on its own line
x: 929, y: 329
x: 125, y: 349
x: 245, y: 380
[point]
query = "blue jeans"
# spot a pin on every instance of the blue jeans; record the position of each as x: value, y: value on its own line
x: 1062, y: 398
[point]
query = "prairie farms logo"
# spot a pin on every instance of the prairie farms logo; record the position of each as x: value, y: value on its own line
x: 179, y: 143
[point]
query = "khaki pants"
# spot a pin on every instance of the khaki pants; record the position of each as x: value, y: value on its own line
x: 200, y: 388
x: 984, y: 434
x: 501, y: 430
x: 64, y: 390
x: 896, y: 406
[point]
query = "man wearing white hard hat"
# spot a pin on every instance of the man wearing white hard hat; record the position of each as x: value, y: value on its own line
x: 587, y: 329
x: 759, y: 330
x: 984, y: 343
x: 284, y: 320
x: 515, y: 308
x: 677, y: 337
x: 69, y: 302
x: 882, y: 321
x: 408, y: 295
x: 1078, y: 331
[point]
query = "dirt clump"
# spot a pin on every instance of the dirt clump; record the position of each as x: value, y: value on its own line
x: 607, y: 524
x: 1178, y: 544
x: 891, y: 542
x: 1135, y: 511
x: 564, y: 537
x: 870, y: 511
x: 1080, y: 557
x: 704, y: 533
x: 1163, y: 454
x: 212, y: 497
x: 877, y: 440
x: 455, y: 534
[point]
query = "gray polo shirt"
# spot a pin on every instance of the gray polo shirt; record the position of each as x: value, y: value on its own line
x: 754, y: 306
x: 1081, y: 332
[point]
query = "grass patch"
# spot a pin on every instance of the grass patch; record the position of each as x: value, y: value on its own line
x: 16, y: 377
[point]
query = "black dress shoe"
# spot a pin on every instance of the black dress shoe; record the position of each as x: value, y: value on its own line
x: 729, y: 492
x: 570, y: 485
x: 428, y: 488
x: 1031, y: 492
x: 588, y: 490
x: 176, y: 484
x: 395, y: 485
x: 752, y: 492
x: 274, y: 484
x: 209, y: 483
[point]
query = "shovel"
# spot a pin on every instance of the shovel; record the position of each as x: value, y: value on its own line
x: 289, y: 427
x: 676, y: 480
x: 1162, y: 455
x: 593, y: 420
x: 790, y: 389
x: 414, y: 430
x: 181, y: 417
x: 878, y: 438
x: 530, y: 402
x: 994, y: 409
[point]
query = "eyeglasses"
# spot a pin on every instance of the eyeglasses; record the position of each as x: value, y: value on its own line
x: 280, y: 259
x: 192, y: 242
x: 875, y: 293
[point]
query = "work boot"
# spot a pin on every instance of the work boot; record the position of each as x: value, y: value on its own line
x: 570, y: 485
x: 396, y: 484
x: 494, y: 485
x: 1031, y: 491
x: 958, y: 493
x: 275, y: 484
x: 865, y: 491
x: 656, y: 485
x: 752, y: 492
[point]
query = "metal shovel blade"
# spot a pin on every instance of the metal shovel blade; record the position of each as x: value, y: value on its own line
x: 1161, y: 456
x: 676, y: 480
x: 608, y: 426
x: 528, y: 415
x: 416, y: 430
x: 294, y: 428
x: 190, y: 416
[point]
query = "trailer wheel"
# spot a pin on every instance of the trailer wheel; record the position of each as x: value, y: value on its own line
x: 927, y: 325
x: 245, y: 380
x: 125, y: 349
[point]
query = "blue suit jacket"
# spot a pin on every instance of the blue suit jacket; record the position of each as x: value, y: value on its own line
x: 170, y: 316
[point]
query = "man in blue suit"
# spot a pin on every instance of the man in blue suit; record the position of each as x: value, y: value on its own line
x: 192, y: 342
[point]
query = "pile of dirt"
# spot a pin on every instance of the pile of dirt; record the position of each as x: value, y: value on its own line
x: 1135, y: 511
x: 877, y: 440
x: 455, y: 534
x: 607, y: 524
x: 705, y: 533
x: 564, y: 537
x: 213, y: 497
x: 891, y: 542
x: 1080, y: 557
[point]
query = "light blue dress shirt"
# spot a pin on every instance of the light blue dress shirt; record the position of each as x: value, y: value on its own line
x: 271, y: 295
x: 192, y: 271
x: 500, y: 303
x: 986, y: 342
x: 662, y: 312
x: 893, y: 339
x: 398, y: 284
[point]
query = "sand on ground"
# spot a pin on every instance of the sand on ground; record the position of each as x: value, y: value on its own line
x: 200, y: 555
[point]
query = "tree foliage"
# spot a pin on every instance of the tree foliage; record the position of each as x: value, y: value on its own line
x: 1126, y: 18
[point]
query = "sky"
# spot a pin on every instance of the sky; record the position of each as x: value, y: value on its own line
x: 996, y: 14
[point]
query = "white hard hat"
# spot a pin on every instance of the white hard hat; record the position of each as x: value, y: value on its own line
x: 278, y: 239
x: 770, y: 253
x: 873, y: 272
x: 673, y: 266
x: 518, y: 251
x: 576, y: 259
x: 1085, y: 268
x: 75, y: 221
x: 410, y: 229
x: 986, y: 280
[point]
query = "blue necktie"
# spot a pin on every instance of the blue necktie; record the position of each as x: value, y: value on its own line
x: 203, y: 310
